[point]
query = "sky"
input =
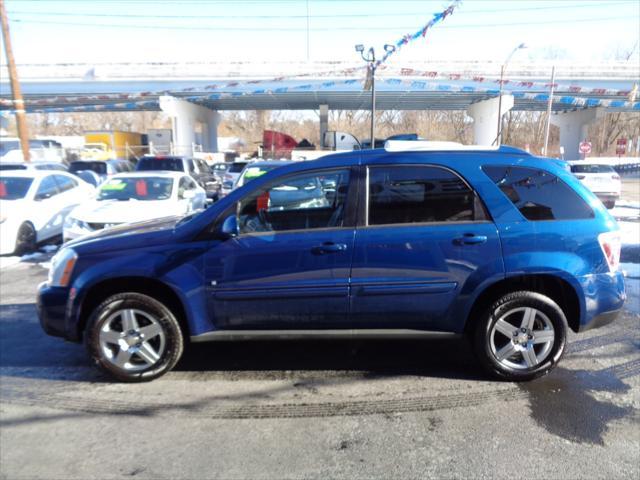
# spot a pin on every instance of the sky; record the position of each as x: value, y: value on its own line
x: 105, y: 31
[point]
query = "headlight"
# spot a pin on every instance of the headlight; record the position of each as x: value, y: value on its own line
x: 61, y: 269
x: 71, y: 222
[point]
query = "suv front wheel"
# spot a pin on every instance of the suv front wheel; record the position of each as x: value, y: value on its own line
x: 133, y: 337
x: 521, y: 336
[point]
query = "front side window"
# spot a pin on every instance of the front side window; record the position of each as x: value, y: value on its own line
x: 47, y: 189
x: 65, y: 183
x: 300, y: 202
x: 538, y: 194
x: 419, y: 194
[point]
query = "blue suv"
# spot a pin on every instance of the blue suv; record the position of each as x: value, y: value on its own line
x: 416, y: 239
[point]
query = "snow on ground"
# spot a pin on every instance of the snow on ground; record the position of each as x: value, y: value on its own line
x: 40, y: 257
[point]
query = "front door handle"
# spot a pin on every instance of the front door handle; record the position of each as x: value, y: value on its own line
x: 470, y: 239
x: 329, y: 247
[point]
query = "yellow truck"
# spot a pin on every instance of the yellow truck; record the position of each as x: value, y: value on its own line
x: 114, y: 144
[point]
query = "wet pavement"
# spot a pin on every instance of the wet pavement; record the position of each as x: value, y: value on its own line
x: 313, y: 409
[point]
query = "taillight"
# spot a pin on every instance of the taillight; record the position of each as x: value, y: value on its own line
x: 615, y: 177
x: 611, y: 245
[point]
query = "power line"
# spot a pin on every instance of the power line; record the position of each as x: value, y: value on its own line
x: 293, y: 29
x: 347, y: 15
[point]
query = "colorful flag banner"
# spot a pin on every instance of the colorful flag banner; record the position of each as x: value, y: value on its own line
x: 438, y: 17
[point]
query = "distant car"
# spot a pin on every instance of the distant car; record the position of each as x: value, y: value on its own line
x: 600, y: 178
x: 40, y: 149
x: 135, y: 197
x: 103, y: 168
x: 195, y: 167
x: 35, y: 165
x: 34, y: 205
x: 230, y: 177
x: 256, y: 169
x: 219, y: 169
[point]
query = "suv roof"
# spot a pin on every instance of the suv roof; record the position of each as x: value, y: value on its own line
x: 431, y: 146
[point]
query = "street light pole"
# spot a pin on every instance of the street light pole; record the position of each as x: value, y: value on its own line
x: 371, y: 60
x: 503, y: 67
x: 373, y: 102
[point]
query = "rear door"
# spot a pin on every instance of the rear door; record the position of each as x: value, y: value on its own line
x: 425, y: 241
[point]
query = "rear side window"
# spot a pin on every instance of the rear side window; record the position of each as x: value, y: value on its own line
x: 538, y: 194
x: 420, y: 194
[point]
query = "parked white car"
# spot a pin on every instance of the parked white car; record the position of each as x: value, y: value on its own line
x: 600, y: 178
x: 135, y: 197
x: 33, y: 206
x: 231, y: 176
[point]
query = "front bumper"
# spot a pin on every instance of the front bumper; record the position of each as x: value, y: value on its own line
x: 53, y: 312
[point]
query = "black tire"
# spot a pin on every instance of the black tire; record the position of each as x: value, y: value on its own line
x: 26, y: 240
x: 610, y: 204
x: 507, y: 303
x: 174, y: 339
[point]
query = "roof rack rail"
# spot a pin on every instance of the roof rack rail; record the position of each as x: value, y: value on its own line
x: 435, y: 146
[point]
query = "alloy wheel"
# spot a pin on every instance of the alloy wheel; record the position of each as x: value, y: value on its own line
x: 132, y: 340
x: 522, y: 338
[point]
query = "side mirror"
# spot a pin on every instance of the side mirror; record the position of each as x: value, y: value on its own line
x: 229, y: 228
x: 188, y: 194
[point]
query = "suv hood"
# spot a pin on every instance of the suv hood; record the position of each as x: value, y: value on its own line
x: 131, y: 235
x: 115, y: 211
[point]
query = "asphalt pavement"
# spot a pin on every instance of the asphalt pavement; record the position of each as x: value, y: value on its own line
x: 330, y: 409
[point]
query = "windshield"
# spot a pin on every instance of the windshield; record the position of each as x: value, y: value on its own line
x: 136, y: 188
x: 14, y: 188
x: 236, y: 167
x: 251, y: 173
x: 155, y: 163
x: 99, y: 167
x: 592, y: 168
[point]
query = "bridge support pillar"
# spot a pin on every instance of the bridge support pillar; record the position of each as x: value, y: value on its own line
x: 192, y: 124
x: 485, y: 118
x: 324, y: 123
x: 574, y: 128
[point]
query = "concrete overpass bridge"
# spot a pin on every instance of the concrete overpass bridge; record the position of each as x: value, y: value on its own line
x: 193, y: 93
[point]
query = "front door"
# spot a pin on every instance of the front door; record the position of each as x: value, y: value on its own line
x: 424, y: 242
x: 289, y: 266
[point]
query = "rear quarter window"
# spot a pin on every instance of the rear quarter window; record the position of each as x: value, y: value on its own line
x: 539, y: 194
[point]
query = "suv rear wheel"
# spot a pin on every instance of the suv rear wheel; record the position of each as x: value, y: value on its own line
x: 521, y: 336
x: 133, y: 337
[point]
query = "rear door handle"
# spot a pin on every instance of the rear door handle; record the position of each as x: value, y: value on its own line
x: 470, y: 239
x: 329, y: 247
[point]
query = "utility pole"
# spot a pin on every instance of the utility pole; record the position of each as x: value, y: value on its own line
x: 503, y: 67
x: 18, y: 102
x: 549, y: 104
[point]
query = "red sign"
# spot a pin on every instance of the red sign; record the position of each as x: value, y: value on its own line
x: 585, y: 147
x: 621, y: 146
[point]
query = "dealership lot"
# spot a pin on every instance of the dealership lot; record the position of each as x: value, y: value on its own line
x: 314, y: 409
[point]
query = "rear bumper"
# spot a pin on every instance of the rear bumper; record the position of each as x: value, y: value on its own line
x: 600, y: 320
x: 604, y: 296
